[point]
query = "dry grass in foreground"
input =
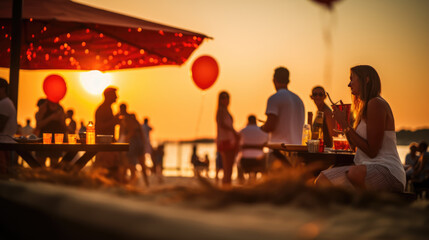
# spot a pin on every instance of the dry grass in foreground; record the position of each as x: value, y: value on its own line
x: 291, y: 186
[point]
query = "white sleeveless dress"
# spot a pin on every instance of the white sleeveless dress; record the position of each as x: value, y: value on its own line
x: 387, y: 157
x: 384, y: 172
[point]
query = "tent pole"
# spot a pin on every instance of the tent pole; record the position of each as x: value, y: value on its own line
x: 15, y: 52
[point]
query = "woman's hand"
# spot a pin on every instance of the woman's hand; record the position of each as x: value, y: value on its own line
x: 340, y: 116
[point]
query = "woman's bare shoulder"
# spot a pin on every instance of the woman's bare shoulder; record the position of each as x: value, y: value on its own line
x: 378, y: 102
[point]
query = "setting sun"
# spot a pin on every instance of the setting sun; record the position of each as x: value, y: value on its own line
x: 94, y: 82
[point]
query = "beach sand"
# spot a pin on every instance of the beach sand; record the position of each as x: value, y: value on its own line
x: 186, y: 208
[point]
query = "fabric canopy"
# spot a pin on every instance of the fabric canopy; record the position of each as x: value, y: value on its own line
x: 60, y: 34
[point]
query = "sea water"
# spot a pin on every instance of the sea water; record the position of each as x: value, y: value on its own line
x: 177, y: 157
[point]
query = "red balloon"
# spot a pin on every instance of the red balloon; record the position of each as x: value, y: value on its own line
x: 327, y: 3
x: 204, y: 72
x: 54, y: 87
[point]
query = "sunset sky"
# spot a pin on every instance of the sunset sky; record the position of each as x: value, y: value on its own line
x: 250, y: 39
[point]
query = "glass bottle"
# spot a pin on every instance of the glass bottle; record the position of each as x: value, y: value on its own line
x: 306, y: 133
x: 317, y: 131
x: 90, y: 133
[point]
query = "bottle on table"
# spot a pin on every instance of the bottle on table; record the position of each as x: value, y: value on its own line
x: 90, y: 133
x: 306, y: 133
x: 317, y: 130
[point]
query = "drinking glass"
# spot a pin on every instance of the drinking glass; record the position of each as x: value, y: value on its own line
x: 47, y: 138
x: 59, y: 138
x: 346, y: 108
x: 72, y: 138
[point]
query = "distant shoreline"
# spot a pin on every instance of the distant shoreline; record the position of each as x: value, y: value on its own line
x: 403, y: 137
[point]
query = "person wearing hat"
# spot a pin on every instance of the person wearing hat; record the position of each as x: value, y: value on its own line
x: 8, y: 124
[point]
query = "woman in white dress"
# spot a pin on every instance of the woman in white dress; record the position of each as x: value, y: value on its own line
x: 377, y: 163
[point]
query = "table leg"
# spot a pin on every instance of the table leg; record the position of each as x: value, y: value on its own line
x: 31, y: 161
x: 82, y: 161
x: 66, y: 159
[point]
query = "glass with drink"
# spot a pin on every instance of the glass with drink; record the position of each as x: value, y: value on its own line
x: 346, y: 108
x: 59, y: 138
x: 47, y: 138
x: 72, y: 138
x: 341, y: 143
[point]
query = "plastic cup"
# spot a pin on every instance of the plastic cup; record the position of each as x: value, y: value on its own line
x: 47, y: 138
x: 72, y: 138
x: 59, y: 138
x: 313, y: 146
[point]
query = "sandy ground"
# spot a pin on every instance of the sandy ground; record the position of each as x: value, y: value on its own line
x: 180, y: 208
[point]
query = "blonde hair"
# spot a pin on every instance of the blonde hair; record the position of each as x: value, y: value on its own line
x: 370, y: 87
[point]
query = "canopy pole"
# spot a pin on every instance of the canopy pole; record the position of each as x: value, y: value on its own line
x: 15, y: 52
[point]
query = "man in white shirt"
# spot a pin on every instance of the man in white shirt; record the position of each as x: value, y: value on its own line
x: 252, y: 142
x: 8, y: 124
x: 285, y: 112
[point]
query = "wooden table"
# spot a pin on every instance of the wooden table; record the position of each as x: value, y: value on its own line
x: 24, y: 150
x: 299, y: 154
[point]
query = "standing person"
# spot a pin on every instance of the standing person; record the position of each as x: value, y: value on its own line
x: 158, y: 161
x: 227, y: 137
x: 8, y: 124
x: 285, y: 115
x: 105, y: 123
x: 71, y: 128
x: 219, y: 165
x: 146, y: 131
x: 252, y: 143
x: 318, y: 95
x: 123, y: 114
x: 378, y: 166
x: 50, y: 119
x: 134, y: 136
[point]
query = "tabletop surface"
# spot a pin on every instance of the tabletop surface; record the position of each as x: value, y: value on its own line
x: 98, y: 147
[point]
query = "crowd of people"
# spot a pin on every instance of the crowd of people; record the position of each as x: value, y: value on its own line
x: 51, y: 118
x: 371, y: 135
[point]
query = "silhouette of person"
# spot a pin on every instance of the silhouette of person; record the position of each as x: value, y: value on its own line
x: 378, y: 166
x: 158, y: 161
x: 71, y: 128
x: 50, y: 119
x: 227, y: 138
x: 8, y: 124
x: 285, y: 115
x: 219, y: 165
x: 105, y: 123
x: 123, y: 114
x: 252, y: 142
x: 132, y: 134
x: 411, y: 160
x: 420, y: 176
x: 318, y: 95
x: 199, y: 165
x: 146, y: 131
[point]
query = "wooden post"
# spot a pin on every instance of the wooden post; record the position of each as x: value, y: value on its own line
x: 15, y: 52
